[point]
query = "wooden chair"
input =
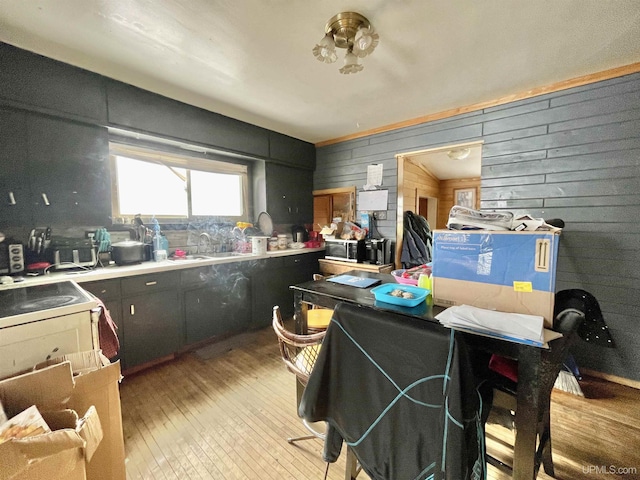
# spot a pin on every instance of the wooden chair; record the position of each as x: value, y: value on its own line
x: 567, y: 321
x: 299, y: 353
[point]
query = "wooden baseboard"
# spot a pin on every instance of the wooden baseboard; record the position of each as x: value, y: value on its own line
x: 611, y: 378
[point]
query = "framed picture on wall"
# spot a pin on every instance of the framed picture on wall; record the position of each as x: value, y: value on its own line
x: 465, y: 197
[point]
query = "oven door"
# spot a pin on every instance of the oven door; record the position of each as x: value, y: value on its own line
x: 23, y: 346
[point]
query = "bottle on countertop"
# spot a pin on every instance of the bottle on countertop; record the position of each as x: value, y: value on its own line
x: 159, y: 252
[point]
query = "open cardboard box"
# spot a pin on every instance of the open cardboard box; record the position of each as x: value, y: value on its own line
x: 62, y: 453
x: 96, y: 382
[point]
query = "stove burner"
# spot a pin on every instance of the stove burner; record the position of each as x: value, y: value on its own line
x: 46, y: 302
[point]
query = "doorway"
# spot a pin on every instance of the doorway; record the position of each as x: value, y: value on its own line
x: 429, y: 181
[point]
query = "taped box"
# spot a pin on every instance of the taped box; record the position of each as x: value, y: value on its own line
x: 64, y: 448
x: 505, y: 271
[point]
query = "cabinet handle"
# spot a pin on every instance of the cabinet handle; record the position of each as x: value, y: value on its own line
x: 45, y: 199
x: 132, y: 309
x: 149, y: 284
x: 12, y: 199
x: 289, y: 209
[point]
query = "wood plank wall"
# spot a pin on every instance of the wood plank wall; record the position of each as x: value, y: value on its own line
x: 446, y: 200
x: 572, y: 154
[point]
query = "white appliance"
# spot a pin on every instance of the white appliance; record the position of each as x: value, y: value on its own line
x: 43, y: 321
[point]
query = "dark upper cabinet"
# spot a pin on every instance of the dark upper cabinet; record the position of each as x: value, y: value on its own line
x: 139, y: 110
x: 292, y: 151
x: 68, y: 172
x: 40, y: 83
x: 14, y: 190
x: 289, y: 194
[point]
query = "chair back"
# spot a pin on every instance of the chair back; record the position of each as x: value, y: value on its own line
x: 299, y: 352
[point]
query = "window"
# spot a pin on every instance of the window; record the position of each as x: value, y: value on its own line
x: 176, y: 187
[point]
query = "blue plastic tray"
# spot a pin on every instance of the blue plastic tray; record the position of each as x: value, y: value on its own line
x: 382, y: 294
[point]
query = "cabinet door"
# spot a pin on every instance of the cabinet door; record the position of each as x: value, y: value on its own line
x: 289, y: 194
x: 14, y: 188
x: 271, y: 281
x: 68, y: 170
x: 141, y: 110
x: 219, y: 301
x: 270, y: 288
x: 152, y: 325
x: 109, y: 292
x: 41, y: 83
x: 291, y: 150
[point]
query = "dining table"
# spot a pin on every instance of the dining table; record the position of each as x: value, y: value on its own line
x: 531, y: 360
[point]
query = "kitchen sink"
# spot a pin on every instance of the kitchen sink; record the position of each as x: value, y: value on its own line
x: 206, y: 256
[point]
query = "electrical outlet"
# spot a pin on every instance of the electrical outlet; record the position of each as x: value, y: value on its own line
x: 381, y: 215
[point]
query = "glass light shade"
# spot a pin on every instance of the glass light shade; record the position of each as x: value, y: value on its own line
x: 459, y: 153
x: 365, y: 42
x: 325, y: 51
x: 350, y: 64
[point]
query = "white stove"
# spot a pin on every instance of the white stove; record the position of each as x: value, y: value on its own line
x: 43, y: 321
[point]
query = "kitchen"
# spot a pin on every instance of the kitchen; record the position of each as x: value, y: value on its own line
x: 76, y: 104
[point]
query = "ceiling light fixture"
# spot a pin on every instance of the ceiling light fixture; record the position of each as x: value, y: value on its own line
x: 348, y: 30
x: 459, y: 153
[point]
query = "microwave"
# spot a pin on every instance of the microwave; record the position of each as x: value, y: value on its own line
x: 345, y: 250
x: 11, y: 258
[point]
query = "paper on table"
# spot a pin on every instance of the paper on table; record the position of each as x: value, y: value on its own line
x: 511, y: 326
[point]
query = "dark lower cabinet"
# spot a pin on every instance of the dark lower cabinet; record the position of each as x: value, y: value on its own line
x: 271, y: 280
x: 158, y: 314
x: 217, y: 301
x: 152, y: 325
x: 152, y: 317
x: 108, y: 291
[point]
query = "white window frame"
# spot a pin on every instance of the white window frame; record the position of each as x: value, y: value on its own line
x: 171, y: 159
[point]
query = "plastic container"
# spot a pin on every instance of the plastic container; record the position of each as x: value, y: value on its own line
x: 397, y: 275
x: 383, y: 294
x: 282, y: 241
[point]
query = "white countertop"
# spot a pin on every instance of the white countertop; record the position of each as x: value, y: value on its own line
x: 114, y: 271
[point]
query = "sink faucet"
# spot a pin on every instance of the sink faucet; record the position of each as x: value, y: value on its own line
x: 204, y: 243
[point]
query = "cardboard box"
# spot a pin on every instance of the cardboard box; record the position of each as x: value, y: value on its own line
x: 60, y: 454
x: 498, y: 270
x: 96, y: 382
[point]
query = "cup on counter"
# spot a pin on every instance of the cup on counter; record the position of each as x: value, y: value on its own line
x: 425, y: 281
x: 160, y: 255
x: 282, y: 242
x: 259, y: 245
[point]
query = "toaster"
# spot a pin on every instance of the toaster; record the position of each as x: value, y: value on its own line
x: 64, y: 253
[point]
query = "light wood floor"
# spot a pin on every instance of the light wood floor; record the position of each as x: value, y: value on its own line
x: 227, y: 417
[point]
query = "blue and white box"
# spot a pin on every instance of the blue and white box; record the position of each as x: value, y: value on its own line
x: 505, y: 271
